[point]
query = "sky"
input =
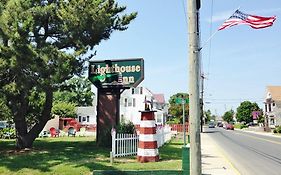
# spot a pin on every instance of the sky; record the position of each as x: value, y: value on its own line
x: 238, y: 62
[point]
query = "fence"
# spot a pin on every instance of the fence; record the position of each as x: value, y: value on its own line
x: 124, y: 144
x: 178, y: 127
x: 163, y: 135
x: 127, y: 144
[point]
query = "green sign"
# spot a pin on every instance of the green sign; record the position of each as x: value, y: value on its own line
x: 181, y: 100
x: 116, y: 73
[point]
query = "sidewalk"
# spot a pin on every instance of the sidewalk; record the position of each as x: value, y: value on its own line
x: 213, y: 160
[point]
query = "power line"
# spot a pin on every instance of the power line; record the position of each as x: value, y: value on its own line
x: 184, y: 11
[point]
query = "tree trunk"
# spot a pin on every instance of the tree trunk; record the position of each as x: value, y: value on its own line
x: 25, y: 139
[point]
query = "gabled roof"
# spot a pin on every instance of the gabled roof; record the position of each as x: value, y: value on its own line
x: 275, y: 92
x: 159, y: 98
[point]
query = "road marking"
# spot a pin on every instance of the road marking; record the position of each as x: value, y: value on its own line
x: 254, y: 137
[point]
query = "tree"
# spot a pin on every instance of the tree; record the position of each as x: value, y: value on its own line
x: 207, y: 115
x: 76, y: 91
x: 43, y: 44
x: 175, y: 109
x: 228, y: 116
x: 64, y: 109
x: 5, y: 112
x: 244, y: 111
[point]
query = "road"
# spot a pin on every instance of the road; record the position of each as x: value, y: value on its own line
x: 250, y: 154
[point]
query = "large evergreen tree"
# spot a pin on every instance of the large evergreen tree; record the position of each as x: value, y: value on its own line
x: 42, y: 44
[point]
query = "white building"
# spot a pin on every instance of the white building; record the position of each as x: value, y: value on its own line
x: 272, y: 108
x: 86, y: 115
x: 132, y: 101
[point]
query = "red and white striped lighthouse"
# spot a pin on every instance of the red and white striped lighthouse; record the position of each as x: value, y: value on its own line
x: 147, y: 149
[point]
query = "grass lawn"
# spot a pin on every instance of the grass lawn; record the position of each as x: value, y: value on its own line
x: 77, y: 155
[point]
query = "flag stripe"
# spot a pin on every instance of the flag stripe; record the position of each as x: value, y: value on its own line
x: 256, y: 22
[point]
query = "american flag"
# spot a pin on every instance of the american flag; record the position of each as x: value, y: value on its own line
x: 256, y: 22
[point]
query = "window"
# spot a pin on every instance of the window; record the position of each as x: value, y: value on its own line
x: 130, y: 102
x: 271, y: 121
x: 84, y: 119
x: 79, y: 118
x: 140, y: 90
x: 88, y: 118
x: 133, y: 90
x: 137, y: 90
x: 134, y: 102
x: 273, y: 104
x: 269, y: 107
x: 126, y: 102
x: 159, y: 118
x: 265, y: 107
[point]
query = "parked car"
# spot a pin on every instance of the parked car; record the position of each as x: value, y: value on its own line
x: 211, y: 125
x: 220, y: 125
x: 229, y: 126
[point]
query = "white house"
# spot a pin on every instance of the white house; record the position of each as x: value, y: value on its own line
x: 133, y: 100
x: 272, y: 106
x: 86, y: 115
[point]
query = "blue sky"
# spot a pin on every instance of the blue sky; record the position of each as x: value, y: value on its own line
x: 238, y: 62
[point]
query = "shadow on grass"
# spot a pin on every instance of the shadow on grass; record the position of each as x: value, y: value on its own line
x: 51, y: 152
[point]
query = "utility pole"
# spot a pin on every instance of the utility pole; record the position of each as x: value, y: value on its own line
x: 194, y: 110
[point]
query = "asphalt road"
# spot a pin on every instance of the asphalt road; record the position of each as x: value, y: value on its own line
x: 250, y: 154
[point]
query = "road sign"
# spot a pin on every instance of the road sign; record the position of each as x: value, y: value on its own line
x: 182, y: 101
x: 116, y: 73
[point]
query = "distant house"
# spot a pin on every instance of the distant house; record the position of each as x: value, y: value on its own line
x: 86, y: 115
x: 272, y: 106
x: 133, y: 100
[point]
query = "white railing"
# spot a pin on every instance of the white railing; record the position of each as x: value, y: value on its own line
x: 163, y: 135
x: 127, y: 144
x: 124, y: 144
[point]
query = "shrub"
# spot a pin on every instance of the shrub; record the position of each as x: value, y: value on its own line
x: 240, y: 125
x: 278, y: 129
x: 6, y: 133
x: 126, y: 128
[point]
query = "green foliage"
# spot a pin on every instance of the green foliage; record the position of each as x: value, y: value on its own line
x: 277, y: 130
x: 5, y: 113
x: 228, y: 116
x: 208, y: 116
x: 175, y: 121
x: 43, y: 44
x: 8, y: 133
x: 126, y: 127
x: 64, y: 109
x: 175, y: 109
x: 261, y: 119
x: 76, y: 91
x: 244, y: 111
x: 240, y: 125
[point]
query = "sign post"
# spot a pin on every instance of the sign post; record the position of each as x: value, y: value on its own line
x: 112, y: 77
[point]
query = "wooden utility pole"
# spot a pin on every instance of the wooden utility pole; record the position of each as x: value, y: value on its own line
x: 194, y: 110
